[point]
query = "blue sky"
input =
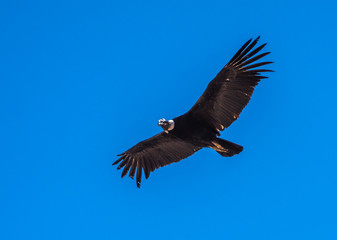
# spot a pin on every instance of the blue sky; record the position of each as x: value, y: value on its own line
x: 83, y: 81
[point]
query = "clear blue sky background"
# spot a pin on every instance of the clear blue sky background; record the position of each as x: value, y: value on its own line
x: 82, y: 81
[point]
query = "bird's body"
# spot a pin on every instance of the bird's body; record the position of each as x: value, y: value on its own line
x: 190, y: 130
x: 218, y: 107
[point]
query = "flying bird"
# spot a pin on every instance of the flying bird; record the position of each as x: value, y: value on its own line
x: 217, y: 108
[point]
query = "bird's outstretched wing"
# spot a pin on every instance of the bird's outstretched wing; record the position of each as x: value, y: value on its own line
x: 230, y: 91
x: 155, y: 152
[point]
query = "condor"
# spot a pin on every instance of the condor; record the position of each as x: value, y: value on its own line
x: 218, y: 107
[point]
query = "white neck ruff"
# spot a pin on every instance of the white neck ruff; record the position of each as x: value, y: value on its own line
x: 171, y: 125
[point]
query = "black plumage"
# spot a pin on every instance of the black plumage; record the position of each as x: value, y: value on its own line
x: 218, y: 107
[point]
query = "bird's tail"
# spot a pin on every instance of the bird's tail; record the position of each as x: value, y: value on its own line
x: 226, y: 148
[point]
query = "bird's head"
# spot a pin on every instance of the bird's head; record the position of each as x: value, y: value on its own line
x: 166, y: 125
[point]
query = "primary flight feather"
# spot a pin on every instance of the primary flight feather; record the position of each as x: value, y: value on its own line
x: 217, y: 108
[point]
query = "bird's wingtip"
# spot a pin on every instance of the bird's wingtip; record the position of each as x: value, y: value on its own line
x: 117, y: 161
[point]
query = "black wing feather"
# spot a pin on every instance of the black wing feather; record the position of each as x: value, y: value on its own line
x: 153, y: 153
x: 133, y: 168
x: 230, y: 91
